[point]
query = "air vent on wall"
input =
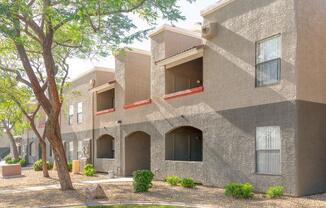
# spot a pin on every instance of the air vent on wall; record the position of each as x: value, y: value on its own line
x: 209, y: 30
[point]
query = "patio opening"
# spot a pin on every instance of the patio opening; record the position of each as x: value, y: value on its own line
x: 105, y: 100
x: 185, y: 76
x: 137, y: 152
x: 184, y: 144
x: 105, y: 147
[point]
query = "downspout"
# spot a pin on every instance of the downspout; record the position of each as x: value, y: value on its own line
x: 93, y: 130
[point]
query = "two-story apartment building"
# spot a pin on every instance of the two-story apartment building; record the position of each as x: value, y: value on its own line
x: 244, y: 101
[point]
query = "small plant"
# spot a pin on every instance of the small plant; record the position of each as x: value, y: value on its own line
x: 89, y: 170
x: 69, y: 163
x: 239, y: 191
x: 173, y: 180
x: 22, y: 163
x: 275, y: 192
x: 188, y: 183
x: 142, y: 180
x: 8, y: 159
x: 38, y: 165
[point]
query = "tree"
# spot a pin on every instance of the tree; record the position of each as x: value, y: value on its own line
x: 12, y: 123
x: 37, y: 37
x: 19, y: 98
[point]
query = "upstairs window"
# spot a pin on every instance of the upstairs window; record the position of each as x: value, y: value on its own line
x: 80, y: 113
x: 70, y: 114
x: 268, y: 150
x: 268, y: 61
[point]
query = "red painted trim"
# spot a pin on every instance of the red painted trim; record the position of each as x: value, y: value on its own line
x: 105, y: 111
x: 138, y: 103
x: 184, y: 93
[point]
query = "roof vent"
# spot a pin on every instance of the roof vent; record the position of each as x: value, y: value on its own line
x: 209, y: 30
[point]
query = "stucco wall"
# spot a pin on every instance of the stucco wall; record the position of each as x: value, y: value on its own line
x: 311, y: 50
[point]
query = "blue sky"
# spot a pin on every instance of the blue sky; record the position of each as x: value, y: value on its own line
x: 190, y: 11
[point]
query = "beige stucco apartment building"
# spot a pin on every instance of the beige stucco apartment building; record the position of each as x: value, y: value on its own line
x: 243, y: 101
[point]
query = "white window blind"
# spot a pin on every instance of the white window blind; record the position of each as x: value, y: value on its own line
x: 268, y: 150
x: 80, y: 112
x: 70, y: 114
x: 268, y: 61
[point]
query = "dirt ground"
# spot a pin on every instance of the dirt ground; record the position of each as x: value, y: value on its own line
x: 120, y: 192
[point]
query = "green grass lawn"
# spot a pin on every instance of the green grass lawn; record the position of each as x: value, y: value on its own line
x: 134, y: 206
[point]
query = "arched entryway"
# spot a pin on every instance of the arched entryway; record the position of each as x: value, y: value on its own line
x: 184, y: 144
x: 105, y: 147
x: 137, y: 152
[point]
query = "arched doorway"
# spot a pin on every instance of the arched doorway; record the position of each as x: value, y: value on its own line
x: 184, y: 144
x: 137, y: 152
x: 105, y: 147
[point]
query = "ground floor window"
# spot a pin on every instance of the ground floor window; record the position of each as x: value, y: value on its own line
x: 79, y: 149
x: 268, y: 150
x: 105, y: 147
x: 184, y: 144
x: 71, y: 150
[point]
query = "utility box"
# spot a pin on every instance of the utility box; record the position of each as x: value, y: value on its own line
x: 75, y: 166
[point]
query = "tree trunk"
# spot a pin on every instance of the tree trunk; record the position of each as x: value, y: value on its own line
x: 13, y: 146
x: 54, y: 136
x: 44, y: 162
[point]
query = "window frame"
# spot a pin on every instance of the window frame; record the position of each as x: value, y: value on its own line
x: 256, y: 153
x: 279, y: 59
x: 80, y: 114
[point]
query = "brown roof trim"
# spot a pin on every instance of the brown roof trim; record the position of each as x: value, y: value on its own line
x: 183, y: 51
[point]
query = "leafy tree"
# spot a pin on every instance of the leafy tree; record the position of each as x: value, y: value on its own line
x: 20, y: 99
x: 11, y: 122
x: 38, y: 36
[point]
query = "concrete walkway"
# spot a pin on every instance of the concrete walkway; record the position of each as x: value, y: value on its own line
x: 57, y: 186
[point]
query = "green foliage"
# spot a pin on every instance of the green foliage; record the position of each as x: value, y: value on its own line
x: 173, y: 180
x: 142, y: 180
x: 239, y: 191
x: 69, y: 163
x: 38, y: 165
x: 89, y: 170
x: 10, y: 160
x: 7, y: 159
x: 188, y: 183
x: 275, y: 192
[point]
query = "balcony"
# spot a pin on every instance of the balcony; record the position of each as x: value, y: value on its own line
x: 105, y: 98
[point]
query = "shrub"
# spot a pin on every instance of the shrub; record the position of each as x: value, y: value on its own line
x: 239, y: 191
x: 275, y: 192
x: 8, y: 159
x: 38, y: 165
x: 188, y: 183
x: 69, y: 163
x: 89, y: 170
x: 173, y: 180
x: 142, y: 180
x: 22, y: 162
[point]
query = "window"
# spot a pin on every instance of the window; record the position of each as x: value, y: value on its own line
x: 79, y: 149
x: 80, y: 112
x: 31, y: 148
x: 184, y: 144
x: 71, y: 114
x: 268, y: 61
x: 268, y: 150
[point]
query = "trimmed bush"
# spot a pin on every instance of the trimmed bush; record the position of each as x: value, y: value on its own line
x: 69, y: 163
x: 38, y: 165
x: 187, y: 183
x: 89, y: 170
x: 142, y: 180
x: 239, y: 191
x: 173, y: 180
x: 275, y: 192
